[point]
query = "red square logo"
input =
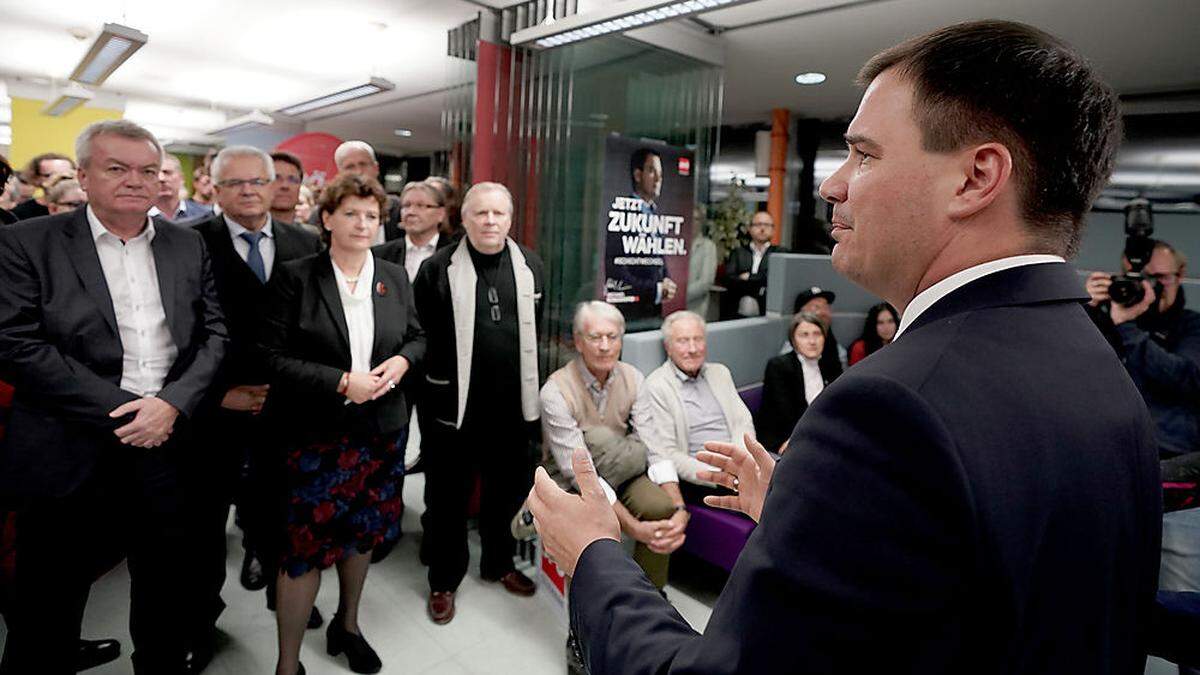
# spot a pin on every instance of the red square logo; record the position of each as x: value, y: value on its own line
x: 685, y: 166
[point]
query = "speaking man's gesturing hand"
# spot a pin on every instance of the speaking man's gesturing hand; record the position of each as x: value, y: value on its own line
x: 568, y: 523
x: 746, y: 472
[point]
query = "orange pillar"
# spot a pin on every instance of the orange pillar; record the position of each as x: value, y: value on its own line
x: 778, y: 168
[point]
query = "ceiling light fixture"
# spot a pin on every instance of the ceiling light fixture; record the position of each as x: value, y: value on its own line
x: 613, y: 18
x: 403, y: 133
x: 71, y: 97
x: 373, y: 86
x: 114, y: 46
x: 252, y: 119
x: 810, y: 78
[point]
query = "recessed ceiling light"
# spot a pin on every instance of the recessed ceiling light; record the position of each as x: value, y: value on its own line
x: 403, y: 133
x: 810, y: 78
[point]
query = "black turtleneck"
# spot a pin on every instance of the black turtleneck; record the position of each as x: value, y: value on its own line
x: 495, y: 390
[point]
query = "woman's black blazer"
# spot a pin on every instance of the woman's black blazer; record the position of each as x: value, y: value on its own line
x: 306, y: 344
x: 783, y: 399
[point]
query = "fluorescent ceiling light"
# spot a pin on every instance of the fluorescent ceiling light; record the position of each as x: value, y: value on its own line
x: 373, y: 86
x: 613, y: 18
x: 115, y: 44
x: 810, y: 78
x: 151, y: 113
x: 403, y: 133
x: 252, y: 119
x: 71, y: 97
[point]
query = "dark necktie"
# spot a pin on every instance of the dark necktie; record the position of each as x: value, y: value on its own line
x: 254, y: 259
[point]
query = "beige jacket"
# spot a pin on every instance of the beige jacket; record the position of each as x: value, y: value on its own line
x: 666, y: 428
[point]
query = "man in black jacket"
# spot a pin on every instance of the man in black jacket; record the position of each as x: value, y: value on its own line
x: 747, y: 267
x: 111, y: 333
x: 983, y: 495
x: 246, y: 245
x: 479, y: 302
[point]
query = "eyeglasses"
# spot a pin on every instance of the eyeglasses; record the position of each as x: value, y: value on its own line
x: 405, y: 206
x: 237, y: 183
x: 494, y: 300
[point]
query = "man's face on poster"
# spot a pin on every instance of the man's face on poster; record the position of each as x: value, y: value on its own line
x: 649, y: 178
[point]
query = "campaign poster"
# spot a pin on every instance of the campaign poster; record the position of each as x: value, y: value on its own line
x: 647, y: 228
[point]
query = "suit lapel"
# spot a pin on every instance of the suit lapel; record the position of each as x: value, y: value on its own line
x: 327, y: 282
x: 82, y: 251
x: 384, y: 310
x: 165, y: 268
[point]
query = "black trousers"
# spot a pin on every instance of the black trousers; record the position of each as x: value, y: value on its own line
x: 499, y: 452
x: 130, y: 504
x: 234, y: 464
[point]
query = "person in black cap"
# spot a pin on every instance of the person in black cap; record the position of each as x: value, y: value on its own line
x: 819, y: 301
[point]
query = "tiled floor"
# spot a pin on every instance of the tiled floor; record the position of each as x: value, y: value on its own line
x: 494, y: 633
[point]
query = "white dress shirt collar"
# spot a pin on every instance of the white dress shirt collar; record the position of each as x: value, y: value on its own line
x: 429, y: 245
x: 930, y: 296
x: 236, y: 229
x: 98, y: 229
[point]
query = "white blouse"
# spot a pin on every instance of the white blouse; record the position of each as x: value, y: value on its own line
x: 359, y: 310
x: 813, y: 382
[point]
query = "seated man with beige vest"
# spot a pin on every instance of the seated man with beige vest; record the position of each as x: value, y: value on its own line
x: 590, y: 402
x: 688, y: 403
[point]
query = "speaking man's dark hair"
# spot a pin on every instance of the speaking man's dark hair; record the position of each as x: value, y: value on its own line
x: 637, y: 162
x: 1010, y: 83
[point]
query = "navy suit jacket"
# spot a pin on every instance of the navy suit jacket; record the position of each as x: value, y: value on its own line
x: 980, y: 497
x: 60, y: 349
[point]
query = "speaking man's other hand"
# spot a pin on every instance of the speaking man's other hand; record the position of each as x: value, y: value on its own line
x: 569, y: 523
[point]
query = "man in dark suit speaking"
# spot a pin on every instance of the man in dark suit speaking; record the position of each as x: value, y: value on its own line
x: 110, y: 332
x: 980, y: 497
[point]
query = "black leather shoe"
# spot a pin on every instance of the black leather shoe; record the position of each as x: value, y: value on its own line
x: 94, y: 653
x: 197, y: 659
x: 252, y: 576
x: 362, y: 658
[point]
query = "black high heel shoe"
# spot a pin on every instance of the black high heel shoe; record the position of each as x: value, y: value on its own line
x: 362, y: 658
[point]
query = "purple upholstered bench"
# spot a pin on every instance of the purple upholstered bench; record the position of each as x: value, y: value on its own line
x: 717, y: 535
x: 752, y: 396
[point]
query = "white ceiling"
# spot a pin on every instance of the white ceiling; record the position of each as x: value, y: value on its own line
x: 1138, y: 46
x: 227, y: 57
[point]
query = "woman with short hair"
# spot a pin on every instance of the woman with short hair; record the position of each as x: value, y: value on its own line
x: 340, y: 331
x: 793, y: 380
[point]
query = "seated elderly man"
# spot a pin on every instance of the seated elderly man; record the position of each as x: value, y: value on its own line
x: 688, y: 402
x: 589, y: 403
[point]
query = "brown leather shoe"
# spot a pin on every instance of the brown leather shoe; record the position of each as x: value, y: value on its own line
x: 441, y: 607
x: 518, y: 584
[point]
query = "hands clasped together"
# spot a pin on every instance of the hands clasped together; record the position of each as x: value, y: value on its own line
x: 363, y: 387
x: 569, y: 523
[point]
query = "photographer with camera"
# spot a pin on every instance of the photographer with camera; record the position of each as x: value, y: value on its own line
x: 1142, y: 313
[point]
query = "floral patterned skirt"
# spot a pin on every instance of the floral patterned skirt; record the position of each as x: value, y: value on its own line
x: 344, y: 496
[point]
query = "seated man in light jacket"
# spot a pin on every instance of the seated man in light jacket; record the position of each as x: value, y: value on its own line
x: 688, y: 402
x: 589, y: 403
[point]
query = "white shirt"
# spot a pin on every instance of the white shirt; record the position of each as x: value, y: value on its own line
x: 415, y: 255
x: 813, y: 382
x: 132, y: 277
x: 759, y: 254
x: 359, y: 310
x: 381, y: 233
x: 180, y: 211
x: 266, y: 245
x: 928, y: 297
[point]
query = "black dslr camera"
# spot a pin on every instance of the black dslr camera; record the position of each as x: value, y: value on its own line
x: 1127, y: 289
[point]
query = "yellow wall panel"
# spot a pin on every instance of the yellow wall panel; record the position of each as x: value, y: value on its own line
x: 34, y: 133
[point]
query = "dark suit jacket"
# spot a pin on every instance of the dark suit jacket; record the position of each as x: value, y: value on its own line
x: 741, y: 259
x: 980, y: 497
x: 60, y: 348
x: 307, y: 347
x: 783, y: 399
x: 242, y: 295
x: 394, y: 249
